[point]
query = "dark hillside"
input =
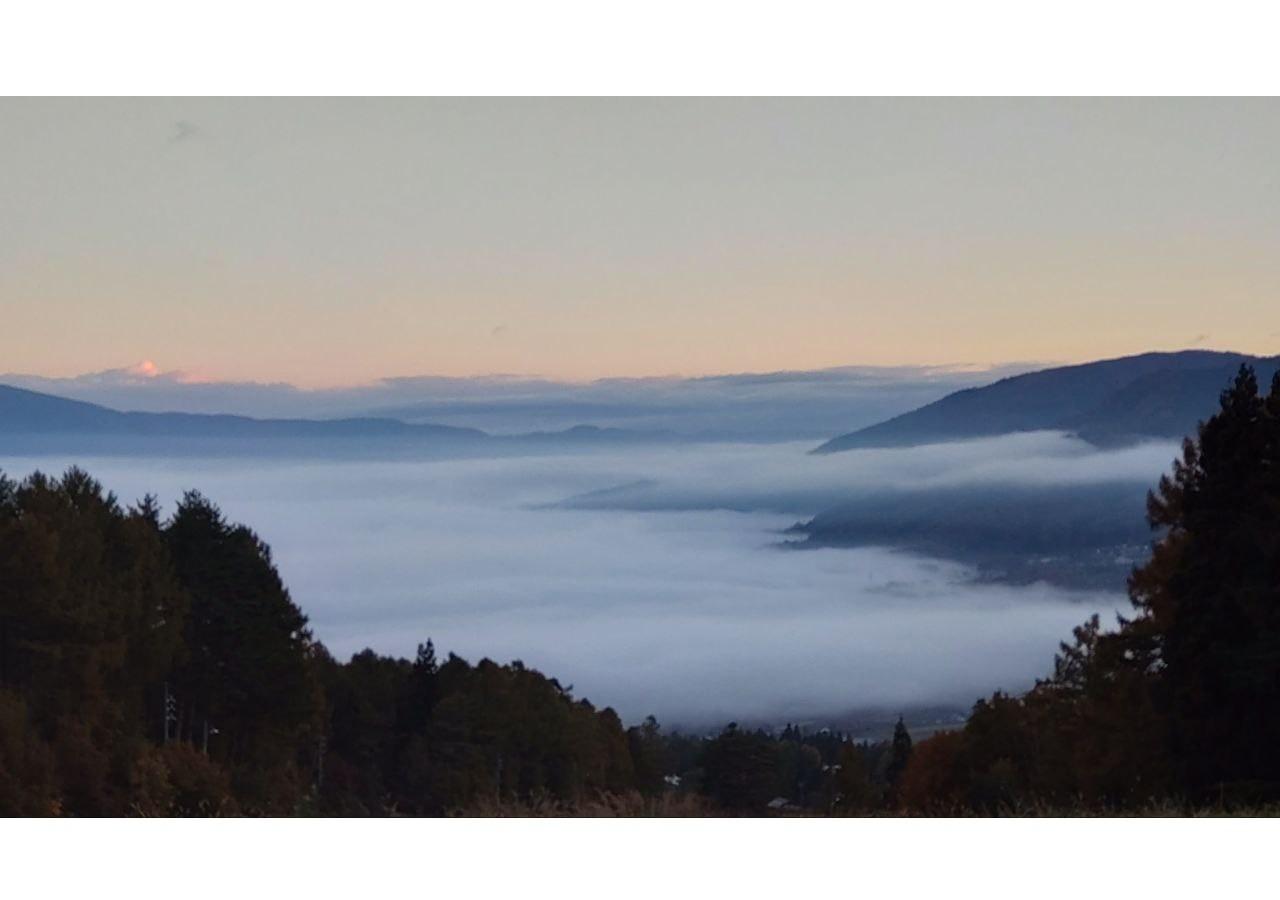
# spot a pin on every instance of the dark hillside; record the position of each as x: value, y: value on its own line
x: 1155, y: 395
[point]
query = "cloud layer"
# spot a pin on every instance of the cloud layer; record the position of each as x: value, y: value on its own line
x: 786, y: 478
x: 690, y: 614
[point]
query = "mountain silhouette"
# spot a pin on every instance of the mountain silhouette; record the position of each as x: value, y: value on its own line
x: 33, y: 422
x: 1108, y: 403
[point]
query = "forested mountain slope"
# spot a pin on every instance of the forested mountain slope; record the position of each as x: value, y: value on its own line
x: 1110, y: 402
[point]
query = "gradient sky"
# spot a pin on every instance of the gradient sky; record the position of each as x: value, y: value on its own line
x: 333, y: 242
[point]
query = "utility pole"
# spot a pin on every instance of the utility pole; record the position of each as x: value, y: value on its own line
x: 322, y: 747
x: 170, y: 710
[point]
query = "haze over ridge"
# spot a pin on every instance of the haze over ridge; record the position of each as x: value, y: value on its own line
x: 766, y: 405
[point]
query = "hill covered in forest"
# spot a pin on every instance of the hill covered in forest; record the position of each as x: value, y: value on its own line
x: 1108, y: 403
x: 1074, y: 535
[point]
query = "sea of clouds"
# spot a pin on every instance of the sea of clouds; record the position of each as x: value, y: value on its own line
x: 674, y: 598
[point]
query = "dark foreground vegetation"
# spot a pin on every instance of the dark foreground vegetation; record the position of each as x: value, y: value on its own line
x: 157, y: 666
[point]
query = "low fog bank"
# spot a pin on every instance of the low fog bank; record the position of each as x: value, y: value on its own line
x: 785, y: 478
x: 1020, y: 508
x: 691, y: 614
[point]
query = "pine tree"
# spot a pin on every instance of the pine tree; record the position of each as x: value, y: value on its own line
x: 248, y: 671
x: 1210, y: 595
x: 899, y: 753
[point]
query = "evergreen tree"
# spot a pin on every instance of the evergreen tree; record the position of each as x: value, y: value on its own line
x: 740, y: 769
x: 90, y: 620
x: 648, y: 756
x: 899, y: 753
x: 248, y: 674
x: 1210, y: 595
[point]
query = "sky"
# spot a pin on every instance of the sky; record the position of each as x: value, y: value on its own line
x: 334, y: 242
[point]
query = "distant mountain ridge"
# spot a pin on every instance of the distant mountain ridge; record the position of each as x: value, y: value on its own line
x: 31, y: 421
x: 808, y: 405
x: 1108, y: 403
x: 29, y: 412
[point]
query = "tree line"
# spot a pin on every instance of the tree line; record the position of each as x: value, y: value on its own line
x: 158, y: 666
